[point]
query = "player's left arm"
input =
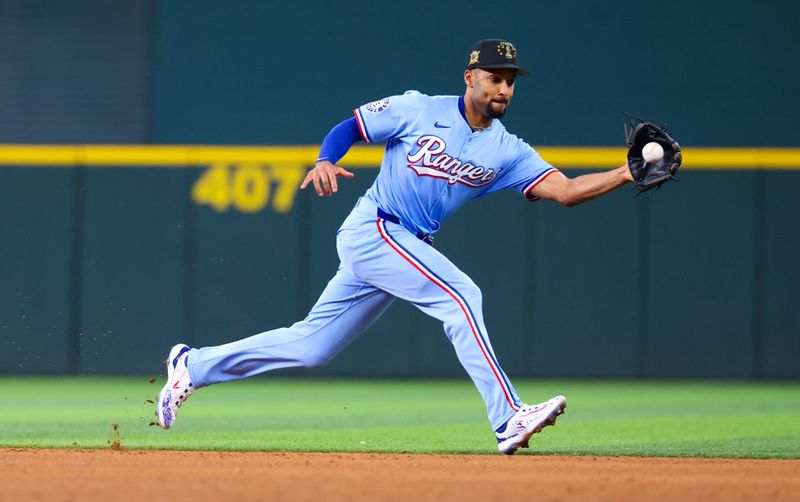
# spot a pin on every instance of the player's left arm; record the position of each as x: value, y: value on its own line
x: 573, y: 191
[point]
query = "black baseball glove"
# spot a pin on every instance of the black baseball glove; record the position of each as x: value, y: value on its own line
x: 648, y: 175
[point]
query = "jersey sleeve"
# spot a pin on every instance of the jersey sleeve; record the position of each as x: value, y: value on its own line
x: 391, y: 117
x: 525, y: 170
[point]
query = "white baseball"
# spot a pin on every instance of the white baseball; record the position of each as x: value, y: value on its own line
x: 652, y: 152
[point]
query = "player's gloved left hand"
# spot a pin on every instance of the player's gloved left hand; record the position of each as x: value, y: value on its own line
x: 648, y: 175
x: 324, y: 177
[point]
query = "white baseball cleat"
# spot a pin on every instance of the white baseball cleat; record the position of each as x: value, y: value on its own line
x: 528, y: 421
x: 177, y: 389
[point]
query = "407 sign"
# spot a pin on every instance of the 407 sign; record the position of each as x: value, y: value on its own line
x: 248, y: 188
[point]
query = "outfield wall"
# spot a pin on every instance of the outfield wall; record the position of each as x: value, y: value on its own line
x: 106, y: 264
x: 110, y: 255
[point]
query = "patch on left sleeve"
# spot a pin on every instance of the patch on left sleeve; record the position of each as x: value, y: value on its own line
x: 377, y: 106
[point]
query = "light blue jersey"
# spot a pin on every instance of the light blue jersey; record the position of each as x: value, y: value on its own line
x: 434, y: 163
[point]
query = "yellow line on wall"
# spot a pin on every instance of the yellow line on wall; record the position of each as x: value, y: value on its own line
x: 359, y: 156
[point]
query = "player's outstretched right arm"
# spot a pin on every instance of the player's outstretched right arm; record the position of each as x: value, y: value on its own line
x: 334, y: 146
x: 573, y: 191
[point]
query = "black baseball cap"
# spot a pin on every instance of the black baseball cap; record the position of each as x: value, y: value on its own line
x: 494, y: 53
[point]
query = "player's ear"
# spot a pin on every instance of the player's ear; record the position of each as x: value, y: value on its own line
x: 468, y: 76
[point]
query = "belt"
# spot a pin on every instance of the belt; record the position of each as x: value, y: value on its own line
x: 426, y: 238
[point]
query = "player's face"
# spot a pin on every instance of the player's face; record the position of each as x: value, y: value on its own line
x: 492, y: 90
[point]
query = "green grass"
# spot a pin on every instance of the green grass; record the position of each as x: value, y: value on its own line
x: 697, y: 419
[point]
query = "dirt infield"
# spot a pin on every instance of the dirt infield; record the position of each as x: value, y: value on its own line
x: 28, y: 474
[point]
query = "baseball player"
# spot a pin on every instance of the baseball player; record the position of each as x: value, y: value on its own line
x: 441, y: 152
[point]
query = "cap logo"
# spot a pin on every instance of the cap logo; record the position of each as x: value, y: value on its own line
x: 507, y: 49
x: 473, y: 57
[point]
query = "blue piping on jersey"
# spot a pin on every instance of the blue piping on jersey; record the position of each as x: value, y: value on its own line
x: 461, y: 109
x: 362, y: 125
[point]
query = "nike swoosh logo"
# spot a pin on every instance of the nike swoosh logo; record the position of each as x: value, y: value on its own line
x: 440, y: 126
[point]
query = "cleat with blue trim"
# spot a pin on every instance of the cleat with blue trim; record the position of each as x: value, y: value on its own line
x: 177, y: 389
x: 528, y: 421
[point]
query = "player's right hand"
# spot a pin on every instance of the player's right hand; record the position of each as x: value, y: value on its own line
x: 324, y: 177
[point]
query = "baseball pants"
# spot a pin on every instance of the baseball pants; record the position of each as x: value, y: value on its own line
x: 380, y: 261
